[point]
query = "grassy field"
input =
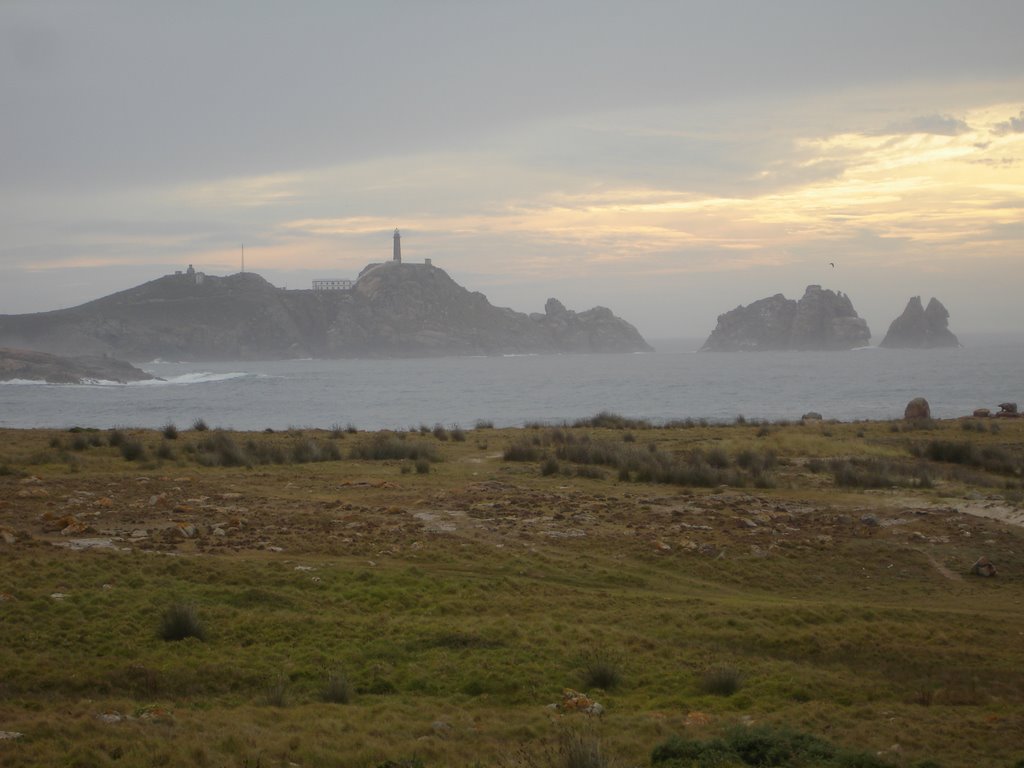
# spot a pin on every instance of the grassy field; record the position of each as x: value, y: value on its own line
x: 772, y: 594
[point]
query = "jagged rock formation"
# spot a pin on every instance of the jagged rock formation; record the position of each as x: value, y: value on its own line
x: 921, y: 328
x: 821, y: 320
x: 39, y: 366
x: 393, y: 310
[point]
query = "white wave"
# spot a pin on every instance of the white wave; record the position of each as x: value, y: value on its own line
x: 196, y: 377
x: 22, y: 382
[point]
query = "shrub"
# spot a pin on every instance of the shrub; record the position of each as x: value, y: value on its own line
x: 79, y: 443
x: 169, y: 431
x: 763, y: 745
x: 220, y: 450
x: 601, y: 669
x: 164, y: 451
x: 549, y: 466
x: 609, y: 420
x: 199, y: 425
x: 522, y: 450
x: 422, y: 466
x: 484, y: 424
x: 440, y: 433
x: 384, y: 445
x: 458, y: 434
x: 115, y: 437
x: 337, y: 431
x: 721, y: 681
x: 181, y: 621
x: 133, y: 450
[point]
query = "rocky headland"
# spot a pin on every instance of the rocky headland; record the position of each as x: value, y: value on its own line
x: 921, y: 327
x: 820, y: 320
x: 393, y: 310
x: 39, y: 366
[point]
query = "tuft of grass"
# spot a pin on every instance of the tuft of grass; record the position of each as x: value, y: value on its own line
x: 721, y: 681
x: 199, y: 425
x: 133, y: 450
x: 277, y: 692
x: 181, y: 621
x: 601, y: 669
x: 337, y: 689
x: 387, y: 445
x: 549, y: 466
x: 169, y: 431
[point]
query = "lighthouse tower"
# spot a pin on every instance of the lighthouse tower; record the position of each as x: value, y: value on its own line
x: 398, y: 247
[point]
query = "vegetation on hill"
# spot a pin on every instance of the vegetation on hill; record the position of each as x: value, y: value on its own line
x: 311, y: 597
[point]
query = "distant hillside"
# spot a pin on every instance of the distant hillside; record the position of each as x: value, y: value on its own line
x: 393, y: 310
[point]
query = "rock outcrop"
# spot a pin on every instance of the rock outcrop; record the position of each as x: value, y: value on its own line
x: 920, y: 327
x: 393, y: 310
x: 821, y: 320
x: 39, y: 366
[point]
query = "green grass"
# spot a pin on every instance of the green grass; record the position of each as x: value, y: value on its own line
x: 352, y: 612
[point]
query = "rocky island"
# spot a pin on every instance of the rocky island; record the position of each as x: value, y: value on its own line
x: 920, y: 327
x: 394, y: 309
x: 821, y: 320
x: 26, y: 364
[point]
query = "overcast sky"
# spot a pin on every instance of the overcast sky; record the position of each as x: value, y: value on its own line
x: 669, y: 160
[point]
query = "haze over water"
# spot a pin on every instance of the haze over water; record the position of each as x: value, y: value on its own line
x: 869, y: 383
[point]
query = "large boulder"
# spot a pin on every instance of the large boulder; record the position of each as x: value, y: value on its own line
x: 821, y: 320
x: 921, y: 327
x: 916, y: 409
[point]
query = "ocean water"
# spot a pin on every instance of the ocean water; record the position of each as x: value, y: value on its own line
x: 673, y: 383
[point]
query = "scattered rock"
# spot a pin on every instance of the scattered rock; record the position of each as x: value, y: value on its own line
x: 981, y: 413
x: 917, y: 408
x: 811, y: 416
x: 110, y: 717
x: 58, y: 596
x: 186, y: 530
x: 983, y: 567
x: 441, y: 728
x: 574, y: 701
x: 1007, y: 409
x: 10, y: 735
x: 8, y: 537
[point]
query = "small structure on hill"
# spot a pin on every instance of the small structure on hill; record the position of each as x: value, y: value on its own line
x: 333, y: 285
x: 191, y: 275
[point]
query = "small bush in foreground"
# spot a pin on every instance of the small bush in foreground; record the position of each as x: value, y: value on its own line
x: 181, y: 621
x: 169, y: 431
x: 759, y: 746
x: 199, y: 425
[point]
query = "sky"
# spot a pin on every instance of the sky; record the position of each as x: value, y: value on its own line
x: 668, y: 160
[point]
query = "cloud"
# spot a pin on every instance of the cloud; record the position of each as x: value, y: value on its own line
x: 939, y: 125
x: 1013, y: 125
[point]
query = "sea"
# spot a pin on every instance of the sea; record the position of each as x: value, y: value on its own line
x: 673, y: 383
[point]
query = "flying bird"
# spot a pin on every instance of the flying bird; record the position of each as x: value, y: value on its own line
x: 832, y: 264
